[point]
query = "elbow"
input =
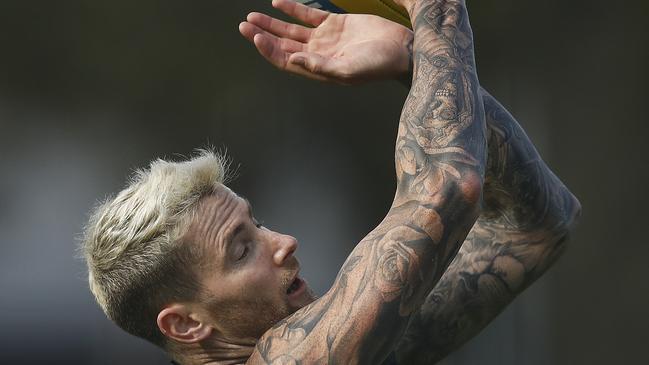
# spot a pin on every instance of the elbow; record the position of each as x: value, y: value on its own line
x: 574, y: 211
x: 551, y: 240
x: 557, y: 234
x: 459, y: 200
x: 566, y: 215
x: 471, y: 189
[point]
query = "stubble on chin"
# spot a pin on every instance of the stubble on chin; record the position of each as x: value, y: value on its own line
x: 241, y: 318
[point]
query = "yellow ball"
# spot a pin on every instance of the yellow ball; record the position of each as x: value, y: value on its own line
x: 383, y: 8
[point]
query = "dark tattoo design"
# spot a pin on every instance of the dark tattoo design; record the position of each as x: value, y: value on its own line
x: 440, y: 162
x: 522, y: 230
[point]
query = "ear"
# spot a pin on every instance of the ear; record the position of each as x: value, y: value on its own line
x: 179, y: 323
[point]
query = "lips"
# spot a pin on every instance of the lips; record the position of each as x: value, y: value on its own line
x: 295, y: 286
x: 296, y: 289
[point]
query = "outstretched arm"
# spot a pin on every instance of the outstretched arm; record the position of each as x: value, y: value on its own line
x: 440, y: 157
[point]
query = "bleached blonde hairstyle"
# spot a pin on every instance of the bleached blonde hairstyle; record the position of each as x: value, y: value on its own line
x: 132, y: 242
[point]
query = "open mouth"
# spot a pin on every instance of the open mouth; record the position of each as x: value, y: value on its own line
x: 295, y: 286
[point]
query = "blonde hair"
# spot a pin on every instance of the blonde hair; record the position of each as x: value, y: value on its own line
x: 136, y: 262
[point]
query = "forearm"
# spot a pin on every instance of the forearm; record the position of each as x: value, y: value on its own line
x: 440, y: 150
x: 441, y: 141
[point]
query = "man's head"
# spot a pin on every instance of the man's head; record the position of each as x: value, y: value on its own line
x: 178, y: 258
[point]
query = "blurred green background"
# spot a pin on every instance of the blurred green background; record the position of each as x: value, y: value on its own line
x: 90, y: 90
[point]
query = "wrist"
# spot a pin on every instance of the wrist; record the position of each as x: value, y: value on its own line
x: 410, y: 6
x: 406, y: 4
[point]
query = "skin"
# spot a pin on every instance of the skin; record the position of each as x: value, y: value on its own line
x: 440, y: 158
x: 389, y: 274
x: 522, y: 230
x: 246, y: 272
x: 248, y: 260
x: 396, y: 291
x: 527, y: 212
x: 341, y: 48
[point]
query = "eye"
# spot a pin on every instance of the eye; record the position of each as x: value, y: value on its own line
x: 259, y: 224
x: 244, y: 253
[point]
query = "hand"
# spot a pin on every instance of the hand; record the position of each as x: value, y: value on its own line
x: 343, y: 48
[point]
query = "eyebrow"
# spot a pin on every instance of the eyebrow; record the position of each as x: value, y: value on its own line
x: 232, y: 234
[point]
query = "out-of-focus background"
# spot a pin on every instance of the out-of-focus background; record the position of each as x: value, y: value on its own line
x: 90, y: 90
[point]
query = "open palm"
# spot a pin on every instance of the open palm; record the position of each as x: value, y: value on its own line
x: 344, y: 48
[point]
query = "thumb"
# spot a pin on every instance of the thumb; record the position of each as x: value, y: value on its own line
x: 313, y: 63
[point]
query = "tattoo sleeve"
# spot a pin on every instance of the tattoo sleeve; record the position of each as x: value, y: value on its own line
x: 440, y: 160
x: 521, y: 231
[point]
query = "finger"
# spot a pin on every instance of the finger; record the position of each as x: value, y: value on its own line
x: 280, y: 59
x: 301, y: 12
x: 280, y: 28
x: 269, y: 49
x: 273, y: 49
x: 249, y: 30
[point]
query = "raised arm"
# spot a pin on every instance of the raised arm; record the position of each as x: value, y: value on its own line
x: 440, y: 157
x: 523, y: 228
x: 528, y: 211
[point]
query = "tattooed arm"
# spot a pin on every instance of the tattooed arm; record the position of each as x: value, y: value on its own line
x: 527, y: 213
x: 522, y: 230
x: 440, y: 158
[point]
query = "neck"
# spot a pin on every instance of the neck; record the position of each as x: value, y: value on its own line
x: 216, y: 351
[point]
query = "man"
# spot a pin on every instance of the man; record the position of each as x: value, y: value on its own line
x: 178, y: 259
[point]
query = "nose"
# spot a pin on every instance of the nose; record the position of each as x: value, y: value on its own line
x: 285, y: 246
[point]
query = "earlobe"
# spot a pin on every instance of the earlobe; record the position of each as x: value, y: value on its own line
x: 179, y: 323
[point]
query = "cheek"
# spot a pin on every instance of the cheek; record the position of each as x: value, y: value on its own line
x: 259, y: 282
x: 252, y: 301
x: 260, y: 272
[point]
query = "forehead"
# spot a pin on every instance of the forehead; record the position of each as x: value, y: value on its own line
x: 215, y: 215
x: 221, y: 197
x: 219, y: 206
